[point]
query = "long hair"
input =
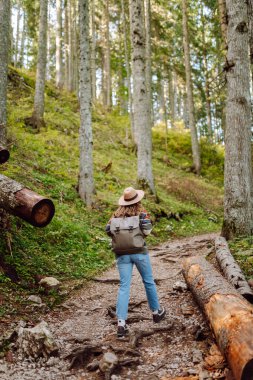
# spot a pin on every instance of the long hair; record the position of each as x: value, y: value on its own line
x: 131, y: 210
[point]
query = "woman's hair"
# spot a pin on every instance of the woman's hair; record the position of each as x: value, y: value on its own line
x: 132, y: 210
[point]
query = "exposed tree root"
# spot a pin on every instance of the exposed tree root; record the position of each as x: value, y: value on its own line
x: 139, y: 334
x: 80, y: 355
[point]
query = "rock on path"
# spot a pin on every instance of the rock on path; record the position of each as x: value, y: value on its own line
x: 186, y: 351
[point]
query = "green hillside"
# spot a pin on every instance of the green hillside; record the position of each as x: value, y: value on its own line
x: 74, y: 246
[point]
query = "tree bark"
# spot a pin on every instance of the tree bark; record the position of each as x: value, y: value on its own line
x: 140, y: 99
x: 86, y: 181
x: 223, y: 21
x: 4, y: 47
x: 128, y: 71
x: 107, y: 90
x: 231, y: 269
x: 229, y: 314
x: 93, y: 51
x: 23, y: 37
x: 190, y: 102
x: 24, y: 203
x: 17, y: 34
x: 58, y: 42
x: 238, y: 197
x: 66, y: 45
x: 147, y: 16
x: 250, y: 18
x: 37, y: 119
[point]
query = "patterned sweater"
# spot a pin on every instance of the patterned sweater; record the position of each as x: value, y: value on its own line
x: 145, y: 224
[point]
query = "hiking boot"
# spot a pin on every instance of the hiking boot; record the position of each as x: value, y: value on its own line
x: 159, y: 316
x: 122, y: 331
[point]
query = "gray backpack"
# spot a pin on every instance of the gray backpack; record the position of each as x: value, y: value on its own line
x: 127, y: 236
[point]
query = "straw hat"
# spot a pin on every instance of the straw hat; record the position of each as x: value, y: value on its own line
x: 130, y: 196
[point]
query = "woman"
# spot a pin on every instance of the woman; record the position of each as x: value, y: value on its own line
x: 128, y: 227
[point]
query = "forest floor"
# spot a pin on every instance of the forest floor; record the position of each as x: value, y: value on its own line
x: 183, y: 349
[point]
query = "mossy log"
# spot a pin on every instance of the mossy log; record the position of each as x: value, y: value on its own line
x: 229, y: 314
x: 231, y: 269
x: 4, y: 155
x: 24, y: 203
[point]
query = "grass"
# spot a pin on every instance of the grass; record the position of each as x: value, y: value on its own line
x: 74, y: 246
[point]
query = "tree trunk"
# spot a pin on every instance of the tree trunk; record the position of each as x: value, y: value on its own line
x: 250, y: 18
x: 37, y: 119
x: 190, y: 102
x: 128, y: 72
x: 66, y: 45
x: 140, y: 99
x: 231, y: 269
x: 22, y: 47
x: 106, y: 58
x: 70, y: 44
x: 147, y: 16
x: 17, y: 34
x: 24, y: 203
x: 58, y: 41
x: 229, y: 314
x: 171, y: 99
x: 206, y: 72
x: 4, y: 47
x: 93, y: 52
x: 223, y: 21
x: 86, y: 181
x: 75, y: 50
x: 238, y: 197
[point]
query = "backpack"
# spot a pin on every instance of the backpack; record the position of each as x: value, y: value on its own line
x: 127, y: 236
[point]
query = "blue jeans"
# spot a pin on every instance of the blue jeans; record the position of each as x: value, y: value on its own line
x: 125, y: 265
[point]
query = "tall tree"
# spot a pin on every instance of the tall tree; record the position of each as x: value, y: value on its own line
x: 238, y: 198
x: 58, y: 41
x: 93, y: 51
x: 147, y: 16
x: 223, y: 20
x: 128, y: 72
x: 140, y: 97
x: 37, y: 119
x: 190, y: 101
x: 107, y: 85
x: 86, y: 181
x: 4, y: 47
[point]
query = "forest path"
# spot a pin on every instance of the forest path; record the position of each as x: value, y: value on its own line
x: 182, y: 352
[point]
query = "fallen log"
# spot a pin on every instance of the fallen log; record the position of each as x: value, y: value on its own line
x: 229, y: 314
x: 25, y: 203
x: 231, y: 269
x: 4, y: 155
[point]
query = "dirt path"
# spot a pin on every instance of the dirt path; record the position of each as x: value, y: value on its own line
x: 180, y: 352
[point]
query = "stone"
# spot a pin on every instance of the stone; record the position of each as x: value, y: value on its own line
x: 197, y: 356
x: 36, y: 342
x: 49, y: 283
x: 108, y: 361
x: 180, y: 286
x: 35, y: 299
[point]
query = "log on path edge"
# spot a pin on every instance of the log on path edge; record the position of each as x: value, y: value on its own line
x: 229, y: 314
x: 4, y: 155
x: 231, y: 269
x: 25, y: 203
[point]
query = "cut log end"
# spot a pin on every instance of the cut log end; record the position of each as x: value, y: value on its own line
x: 34, y: 209
x: 4, y: 155
x: 248, y: 371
